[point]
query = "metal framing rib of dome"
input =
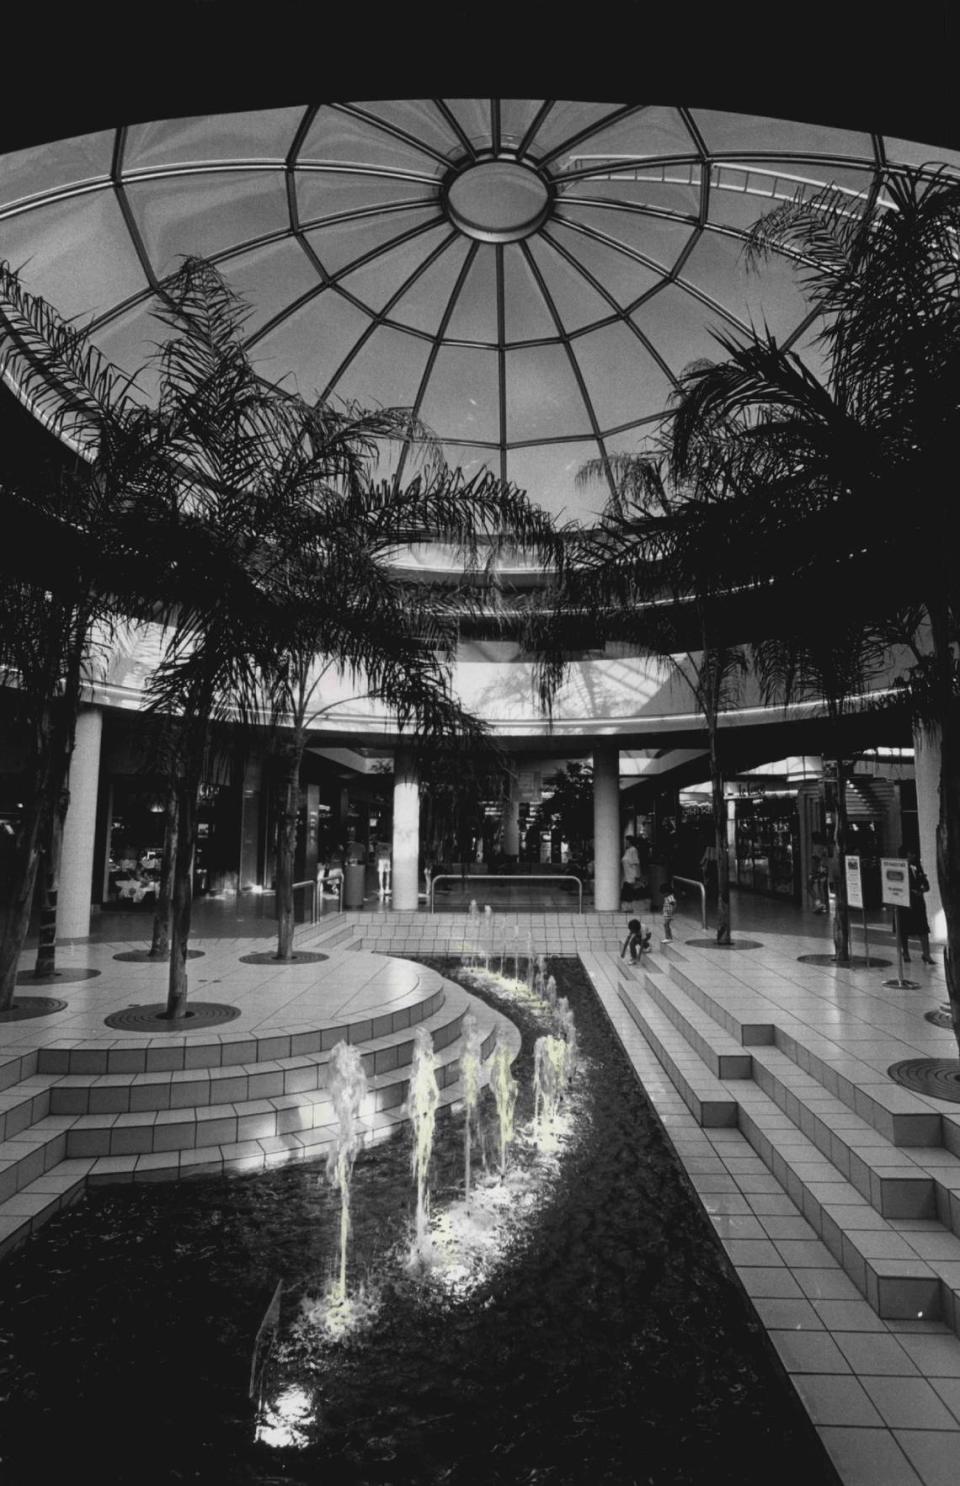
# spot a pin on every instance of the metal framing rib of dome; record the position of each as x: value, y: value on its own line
x: 529, y: 276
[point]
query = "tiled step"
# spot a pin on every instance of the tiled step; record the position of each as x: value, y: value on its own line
x: 24, y: 1212
x: 24, y: 1103
x: 171, y: 1051
x: 875, y: 1252
x: 723, y: 1054
x: 14, y: 1067
x: 181, y: 1088
x: 903, y: 1118
x: 710, y: 1102
x: 30, y: 1153
x: 190, y: 1127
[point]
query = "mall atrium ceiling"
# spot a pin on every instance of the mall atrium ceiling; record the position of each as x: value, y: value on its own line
x: 530, y: 275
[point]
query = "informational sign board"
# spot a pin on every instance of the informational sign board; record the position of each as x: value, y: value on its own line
x: 895, y: 881
x: 854, y: 881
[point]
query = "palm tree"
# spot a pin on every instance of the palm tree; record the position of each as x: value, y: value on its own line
x: 834, y: 665
x: 852, y: 494
x: 647, y: 575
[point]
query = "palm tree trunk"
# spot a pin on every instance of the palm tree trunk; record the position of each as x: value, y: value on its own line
x: 289, y: 792
x: 15, y: 917
x: 720, y: 840
x: 160, y: 944
x: 187, y: 793
x: 948, y: 824
x: 48, y: 885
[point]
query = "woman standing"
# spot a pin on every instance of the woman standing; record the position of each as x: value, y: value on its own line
x: 913, y: 920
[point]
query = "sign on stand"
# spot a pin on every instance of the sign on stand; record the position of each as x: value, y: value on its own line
x: 854, y: 882
x: 895, y: 879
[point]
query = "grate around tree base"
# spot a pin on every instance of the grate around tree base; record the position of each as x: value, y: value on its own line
x: 26, y: 1007
x: 154, y: 1018
x: 937, y: 1077
x: 938, y: 1018
x: 270, y: 957
x: 143, y: 956
x: 855, y: 962
x: 58, y: 978
x: 735, y: 944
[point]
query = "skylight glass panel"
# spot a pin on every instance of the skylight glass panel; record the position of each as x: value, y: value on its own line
x: 423, y: 303
x: 624, y: 278
x: 543, y: 399
x: 516, y: 116
x: 304, y: 351
x: 621, y: 377
x: 341, y: 243
x: 527, y: 316
x: 269, y: 278
x: 656, y: 239
x: 420, y: 118
x: 576, y: 301
x: 206, y: 214
x: 322, y: 194
x: 340, y: 137
x: 548, y: 473
x: 565, y: 121
x: 645, y: 134
x: 679, y: 326
x: 907, y: 152
x: 391, y: 362
x: 767, y: 295
x: 75, y: 252
x: 473, y: 116
x: 461, y: 399
x: 474, y: 314
x: 747, y: 133
x: 46, y: 167
x: 740, y: 192
x: 260, y: 134
x: 669, y: 188
x: 129, y: 342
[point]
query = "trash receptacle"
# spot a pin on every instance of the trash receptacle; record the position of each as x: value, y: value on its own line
x: 354, y: 882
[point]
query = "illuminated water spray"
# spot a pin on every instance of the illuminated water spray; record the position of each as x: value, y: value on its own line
x: 470, y: 1059
x: 347, y: 1087
x: 550, y: 1077
x: 505, y: 1090
x: 422, y: 1100
x: 569, y: 1026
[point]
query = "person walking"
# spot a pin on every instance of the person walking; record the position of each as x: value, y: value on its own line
x: 629, y: 871
x: 669, y: 908
x: 913, y: 920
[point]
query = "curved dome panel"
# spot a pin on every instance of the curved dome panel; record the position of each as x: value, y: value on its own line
x: 530, y: 276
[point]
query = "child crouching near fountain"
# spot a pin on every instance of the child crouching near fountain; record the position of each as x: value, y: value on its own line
x: 637, y: 940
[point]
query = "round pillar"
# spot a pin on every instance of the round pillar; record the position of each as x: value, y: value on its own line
x: 79, y: 829
x: 926, y: 758
x: 406, y: 831
x: 606, y: 827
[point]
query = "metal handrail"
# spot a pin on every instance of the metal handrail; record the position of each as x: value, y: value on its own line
x: 508, y: 877
x: 692, y: 882
x: 309, y: 883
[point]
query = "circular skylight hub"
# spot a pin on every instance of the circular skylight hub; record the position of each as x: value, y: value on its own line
x: 498, y: 201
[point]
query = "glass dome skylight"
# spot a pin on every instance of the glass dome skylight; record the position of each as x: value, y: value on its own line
x: 530, y: 276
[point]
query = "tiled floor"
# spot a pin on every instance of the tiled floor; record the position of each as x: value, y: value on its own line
x: 884, y: 1394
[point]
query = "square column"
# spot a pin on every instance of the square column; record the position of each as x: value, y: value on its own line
x: 606, y: 827
x: 406, y: 831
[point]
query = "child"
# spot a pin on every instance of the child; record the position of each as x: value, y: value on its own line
x: 637, y: 940
x: 669, y: 908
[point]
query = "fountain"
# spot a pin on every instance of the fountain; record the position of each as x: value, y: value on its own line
x: 348, y: 1086
x: 568, y: 1025
x: 470, y: 1061
x: 550, y: 1077
x: 505, y: 1091
x: 422, y: 1099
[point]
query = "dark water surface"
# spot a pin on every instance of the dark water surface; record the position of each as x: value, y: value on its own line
x: 614, y: 1343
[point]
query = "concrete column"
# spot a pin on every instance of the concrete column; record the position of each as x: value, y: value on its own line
x: 511, y: 816
x: 406, y: 831
x: 606, y: 827
x: 926, y: 753
x: 79, y: 830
